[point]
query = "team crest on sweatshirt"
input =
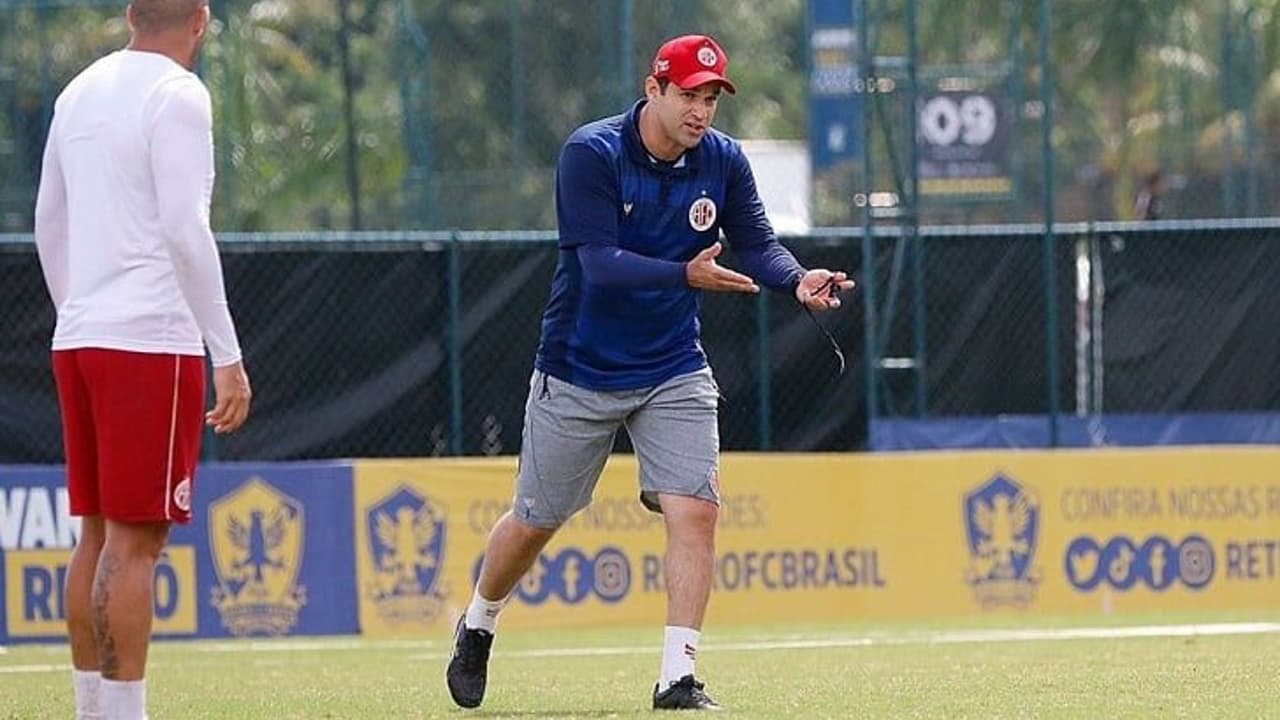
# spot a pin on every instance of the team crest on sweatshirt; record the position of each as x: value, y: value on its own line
x: 702, y: 214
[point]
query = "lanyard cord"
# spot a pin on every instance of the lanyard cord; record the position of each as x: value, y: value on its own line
x: 830, y: 288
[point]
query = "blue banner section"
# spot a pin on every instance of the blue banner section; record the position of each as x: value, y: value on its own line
x: 835, y: 92
x: 279, y: 556
x: 269, y: 551
x: 36, y: 533
x: 1032, y: 431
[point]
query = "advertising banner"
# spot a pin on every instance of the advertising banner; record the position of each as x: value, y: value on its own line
x: 1096, y: 531
x: 835, y: 89
x: 391, y: 548
x: 845, y: 536
x: 275, y: 551
x: 37, y: 534
x: 422, y: 529
x: 261, y: 538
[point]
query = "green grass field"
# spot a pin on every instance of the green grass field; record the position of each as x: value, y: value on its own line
x: 990, y: 669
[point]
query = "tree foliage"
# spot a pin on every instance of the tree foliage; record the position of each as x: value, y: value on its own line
x: 459, y: 108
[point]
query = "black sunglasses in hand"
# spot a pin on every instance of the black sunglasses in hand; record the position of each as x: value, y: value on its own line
x: 830, y: 288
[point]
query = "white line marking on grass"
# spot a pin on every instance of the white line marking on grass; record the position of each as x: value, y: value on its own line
x: 17, y: 669
x: 314, y: 644
x: 937, y: 638
x: 1142, y: 631
x: 946, y: 637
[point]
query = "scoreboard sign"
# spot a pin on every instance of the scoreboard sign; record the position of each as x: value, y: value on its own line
x: 963, y: 139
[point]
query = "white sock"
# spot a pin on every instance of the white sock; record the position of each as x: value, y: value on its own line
x: 86, y: 685
x: 482, y: 614
x: 678, y: 653
x: 124, y: 699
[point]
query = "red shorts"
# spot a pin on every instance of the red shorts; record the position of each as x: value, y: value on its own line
x: 131, y: 426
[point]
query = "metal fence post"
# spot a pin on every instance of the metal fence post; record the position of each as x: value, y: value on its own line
x: 1228, y: 106
x: 626, y: 45
x: 453, y: 337
x: 415, y: 97
x: 868, y: 239
x: 607, y: 60
x: 764, y: 372
x: 916, y: 246
x: 1251, y: 150
x: 1016, y: 79
x: 518, y: 118
x: 225, y: 145
x: 351, y: 162
x: 1050, y: 254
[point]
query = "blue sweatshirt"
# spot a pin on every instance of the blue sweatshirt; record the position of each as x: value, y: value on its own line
x: 621, y: 315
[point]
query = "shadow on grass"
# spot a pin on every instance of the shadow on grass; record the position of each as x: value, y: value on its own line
x: 599, y: 713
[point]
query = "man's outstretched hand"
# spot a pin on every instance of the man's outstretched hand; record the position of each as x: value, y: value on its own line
x: 818, y: 289
x: 704, y: 273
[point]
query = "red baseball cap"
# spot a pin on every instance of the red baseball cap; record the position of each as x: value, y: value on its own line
x: 692, y: 60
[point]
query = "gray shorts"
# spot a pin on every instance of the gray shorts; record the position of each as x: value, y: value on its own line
x: 569, y: 432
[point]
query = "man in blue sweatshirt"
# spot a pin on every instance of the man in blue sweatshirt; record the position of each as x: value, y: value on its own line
x: 641, y: 199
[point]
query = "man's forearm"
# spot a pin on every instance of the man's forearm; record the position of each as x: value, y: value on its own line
x: 772, y: 265
x: 615, y: 267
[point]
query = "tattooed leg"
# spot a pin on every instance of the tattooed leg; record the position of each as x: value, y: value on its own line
x: 122, y: 597
x: 103, y: 580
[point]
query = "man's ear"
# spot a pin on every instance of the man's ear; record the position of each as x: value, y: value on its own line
x: 201, y: 21
x: 651, y: 88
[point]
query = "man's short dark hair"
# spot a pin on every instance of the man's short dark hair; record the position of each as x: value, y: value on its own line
x: 157, y: 15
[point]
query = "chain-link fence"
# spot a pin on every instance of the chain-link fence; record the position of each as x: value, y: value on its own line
x: 433, y: 114
x: 421, y: 344
x: 1147, y: 319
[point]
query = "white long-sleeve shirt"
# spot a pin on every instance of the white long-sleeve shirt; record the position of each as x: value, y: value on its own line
x: 122, y: 215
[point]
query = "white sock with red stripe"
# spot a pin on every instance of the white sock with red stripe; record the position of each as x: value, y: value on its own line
x: 678, y: 653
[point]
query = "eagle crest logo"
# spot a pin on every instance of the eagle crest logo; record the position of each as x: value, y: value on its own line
x: 1002, y: 525
x: 256, y: 538
x: 406, y: 541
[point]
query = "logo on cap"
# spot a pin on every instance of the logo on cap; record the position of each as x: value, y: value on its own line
x: 692, y: 60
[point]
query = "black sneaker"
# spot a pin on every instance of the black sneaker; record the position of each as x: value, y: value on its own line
x: 469, y: 665
x: 684, y: 694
